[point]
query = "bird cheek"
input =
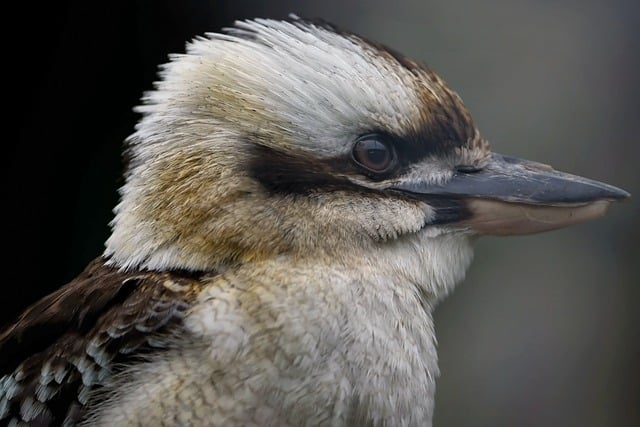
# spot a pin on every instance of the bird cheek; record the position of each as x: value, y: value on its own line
x: 397, y: 218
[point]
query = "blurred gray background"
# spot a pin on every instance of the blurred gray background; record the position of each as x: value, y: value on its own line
x: 545, y: 331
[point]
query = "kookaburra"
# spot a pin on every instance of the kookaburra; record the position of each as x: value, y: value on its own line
x: 297, y: 201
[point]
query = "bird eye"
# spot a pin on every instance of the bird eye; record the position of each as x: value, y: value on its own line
x: 373, y: 153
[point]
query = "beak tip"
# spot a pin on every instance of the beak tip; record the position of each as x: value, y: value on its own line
x: 616, y: 194
x: 625, y: 195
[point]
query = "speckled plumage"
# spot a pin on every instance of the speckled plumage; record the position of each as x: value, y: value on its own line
x: 257, y: 273
x: 70, y: 343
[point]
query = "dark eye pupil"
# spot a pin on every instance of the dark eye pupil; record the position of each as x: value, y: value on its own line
x: 373, y: 154
x: 377, y: 155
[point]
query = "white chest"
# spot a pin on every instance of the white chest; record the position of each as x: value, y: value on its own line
x: 301, y: 345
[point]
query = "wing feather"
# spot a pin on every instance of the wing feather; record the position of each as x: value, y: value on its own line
x: 68, y: 344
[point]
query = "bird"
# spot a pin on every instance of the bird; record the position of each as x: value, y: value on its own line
x: 297, y: 201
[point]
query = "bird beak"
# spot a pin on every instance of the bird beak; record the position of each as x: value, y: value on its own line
x: 517, y: 196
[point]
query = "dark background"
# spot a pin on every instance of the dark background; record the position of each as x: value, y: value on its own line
x: 545, y: 331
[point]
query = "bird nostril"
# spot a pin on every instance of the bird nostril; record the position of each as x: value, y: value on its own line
x: 467, y: 169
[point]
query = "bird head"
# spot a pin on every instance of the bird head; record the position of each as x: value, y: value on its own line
x: 295, y: 138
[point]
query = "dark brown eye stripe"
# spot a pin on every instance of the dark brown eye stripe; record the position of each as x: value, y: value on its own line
x: 286, y: 173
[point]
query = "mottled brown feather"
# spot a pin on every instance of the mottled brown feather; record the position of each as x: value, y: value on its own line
x: 70, y: 343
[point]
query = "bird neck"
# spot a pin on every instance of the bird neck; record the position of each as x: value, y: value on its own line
x: 374, y: 326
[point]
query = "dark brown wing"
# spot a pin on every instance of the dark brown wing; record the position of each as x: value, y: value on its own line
x: 69, y: 343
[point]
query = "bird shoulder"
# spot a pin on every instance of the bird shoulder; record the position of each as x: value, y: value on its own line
x: 68, y: 344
